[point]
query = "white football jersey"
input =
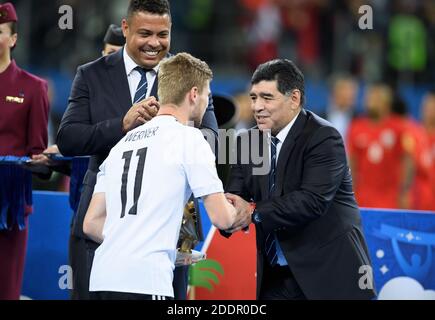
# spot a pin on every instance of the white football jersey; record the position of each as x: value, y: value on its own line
x: 147, y: 179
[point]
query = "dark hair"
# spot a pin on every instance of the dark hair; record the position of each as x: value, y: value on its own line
x: 160, y: 7
x: 285, y: 72
x: 13, y: 27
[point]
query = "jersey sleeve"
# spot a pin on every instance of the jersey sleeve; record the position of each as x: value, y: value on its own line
x: 199, y: 165
x: 100, y: 185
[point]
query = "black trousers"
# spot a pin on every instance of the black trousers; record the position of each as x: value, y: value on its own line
x: 80, y: 265
x: 279, y: 284
x: 113, y: 295
x: 81, y: 255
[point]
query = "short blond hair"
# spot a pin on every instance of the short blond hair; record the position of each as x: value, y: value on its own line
x: 179, y: 74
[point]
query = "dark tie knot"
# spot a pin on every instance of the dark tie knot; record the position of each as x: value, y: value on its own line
x: 274, y: 140
x: 143, y: 72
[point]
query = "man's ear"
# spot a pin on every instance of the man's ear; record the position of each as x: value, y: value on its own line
x: 125, y: 28
x: 193, y: 94
x: 295, y: 97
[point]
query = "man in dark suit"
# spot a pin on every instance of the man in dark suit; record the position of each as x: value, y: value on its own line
x: 109, y: 97
x: 309, y: 237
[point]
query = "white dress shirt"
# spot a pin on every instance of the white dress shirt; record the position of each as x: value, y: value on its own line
x: 282, y: 135
x: 134, y: 76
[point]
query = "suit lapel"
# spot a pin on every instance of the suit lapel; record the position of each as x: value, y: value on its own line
x: 119, y: 81
x: 287, y: 148
x: 154, y: 88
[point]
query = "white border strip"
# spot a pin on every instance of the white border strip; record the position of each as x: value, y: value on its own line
x: 207, y: 240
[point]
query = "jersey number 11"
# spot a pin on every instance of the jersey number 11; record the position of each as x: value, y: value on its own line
x: 142, y: 154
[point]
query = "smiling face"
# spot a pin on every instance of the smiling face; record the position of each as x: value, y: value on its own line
x: 272, y: 109
x: 148, y: 37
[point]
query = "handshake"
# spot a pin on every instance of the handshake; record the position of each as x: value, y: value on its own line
x: 244, y: 212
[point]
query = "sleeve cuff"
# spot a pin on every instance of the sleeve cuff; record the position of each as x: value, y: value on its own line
x: 206, y: 190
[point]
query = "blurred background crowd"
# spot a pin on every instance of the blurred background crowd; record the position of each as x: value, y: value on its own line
x: 375, y: 85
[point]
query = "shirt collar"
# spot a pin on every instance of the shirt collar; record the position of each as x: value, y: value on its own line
x: 130, y: 65
x: 284, y: 131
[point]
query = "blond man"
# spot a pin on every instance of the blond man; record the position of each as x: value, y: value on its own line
x: 145, y: 182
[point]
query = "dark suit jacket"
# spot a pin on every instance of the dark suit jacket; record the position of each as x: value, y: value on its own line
x: 92, y: 124
x: 313, y: 211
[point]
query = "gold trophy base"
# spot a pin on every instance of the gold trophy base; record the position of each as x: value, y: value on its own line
x: 186, y: 258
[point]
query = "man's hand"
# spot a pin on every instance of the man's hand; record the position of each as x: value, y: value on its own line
x: 42, y: 159
x: 244, y: 212
x: 140, y: 113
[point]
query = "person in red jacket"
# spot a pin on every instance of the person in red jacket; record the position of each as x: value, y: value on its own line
x: 416, y: 143
x: 24, y: 111
x: 382, y: 168
x: 428, y: 117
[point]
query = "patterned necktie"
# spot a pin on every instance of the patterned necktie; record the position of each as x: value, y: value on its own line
x: 270, y: 244
x: 142, y: 87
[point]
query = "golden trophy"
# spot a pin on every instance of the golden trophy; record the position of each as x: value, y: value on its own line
x: 190, y: 235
